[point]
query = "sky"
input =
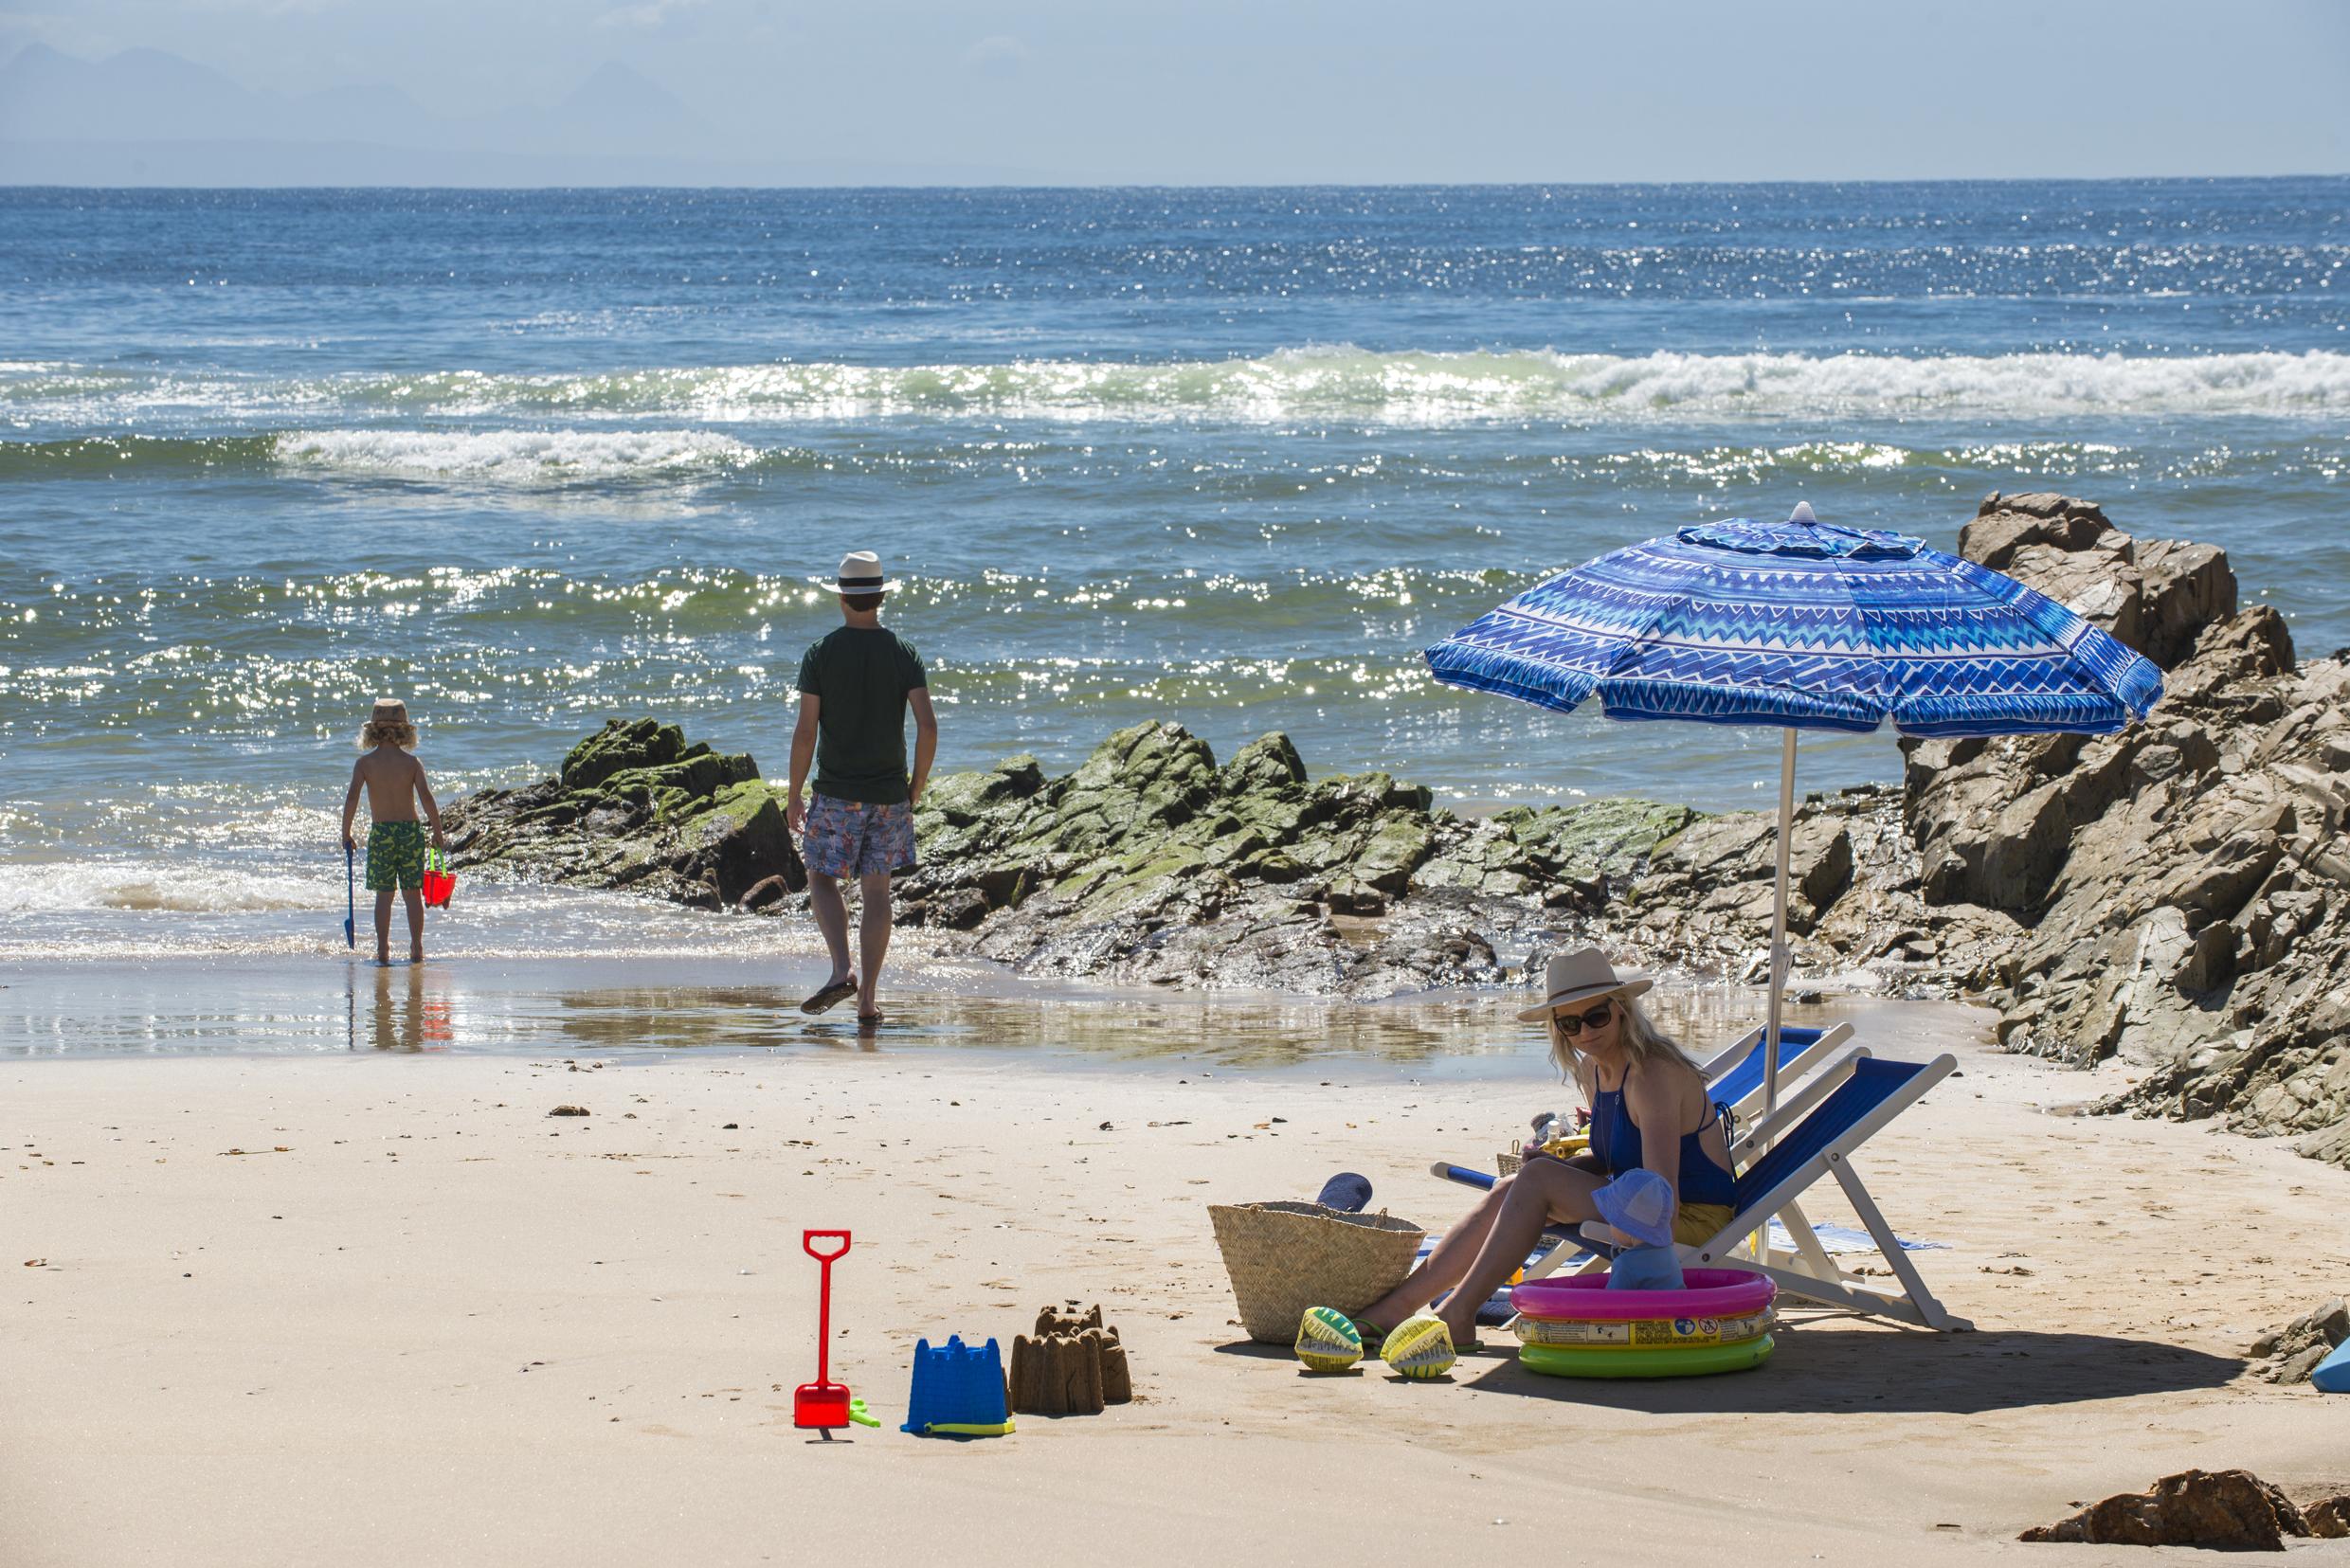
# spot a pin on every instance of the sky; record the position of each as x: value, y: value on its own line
x: 1349, y: 91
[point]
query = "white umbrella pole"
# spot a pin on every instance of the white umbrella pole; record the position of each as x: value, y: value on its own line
x: 1779, y: 923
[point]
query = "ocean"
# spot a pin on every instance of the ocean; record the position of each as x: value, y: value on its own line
x: 1229, y: 458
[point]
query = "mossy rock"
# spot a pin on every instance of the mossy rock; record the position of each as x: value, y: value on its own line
x: 621, y: 744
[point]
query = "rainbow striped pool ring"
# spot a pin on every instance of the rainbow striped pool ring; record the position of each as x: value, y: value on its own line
x: 1711, y: 1293
x: 1561, y: 1361
x: 1640, y: 1333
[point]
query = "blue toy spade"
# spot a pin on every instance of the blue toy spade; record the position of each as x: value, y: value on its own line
x: 351, y: 903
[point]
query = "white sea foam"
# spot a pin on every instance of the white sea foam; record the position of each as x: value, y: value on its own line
x: 1419, y: 388
x: 184, y: 886
x: 1329, y: 382
x: 514, y: 456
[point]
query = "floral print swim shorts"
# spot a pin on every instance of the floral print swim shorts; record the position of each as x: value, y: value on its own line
x: 857, y: 837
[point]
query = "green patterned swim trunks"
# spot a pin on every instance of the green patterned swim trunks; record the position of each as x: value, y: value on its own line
x: 396, y: 856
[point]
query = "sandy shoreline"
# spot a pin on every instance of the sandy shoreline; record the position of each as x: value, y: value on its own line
x: 418, y: 1320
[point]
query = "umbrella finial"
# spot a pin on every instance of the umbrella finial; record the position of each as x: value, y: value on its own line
x: 1803, y: 513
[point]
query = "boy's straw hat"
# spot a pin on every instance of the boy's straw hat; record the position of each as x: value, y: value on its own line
x: 388, y: 710
x: 860, y: 572
x: 1580, y: 977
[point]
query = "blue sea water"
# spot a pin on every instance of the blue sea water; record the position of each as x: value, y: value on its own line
x: 1225, y: 456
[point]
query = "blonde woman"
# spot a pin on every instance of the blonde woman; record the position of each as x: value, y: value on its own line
x: 1649, y: 1110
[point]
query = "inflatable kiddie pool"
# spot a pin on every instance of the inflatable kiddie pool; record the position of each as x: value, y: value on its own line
x: 1577, y: 1327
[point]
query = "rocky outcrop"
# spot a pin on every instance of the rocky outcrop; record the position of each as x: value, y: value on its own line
x: 2227, y: 1509
x: 1153, y: 864
x: 2290, y: 1353
x: 635, y: 807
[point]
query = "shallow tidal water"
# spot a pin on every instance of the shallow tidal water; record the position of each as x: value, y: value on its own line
x: 678, y: 1004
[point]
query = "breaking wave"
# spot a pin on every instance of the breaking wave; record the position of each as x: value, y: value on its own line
x: 1337, y: 382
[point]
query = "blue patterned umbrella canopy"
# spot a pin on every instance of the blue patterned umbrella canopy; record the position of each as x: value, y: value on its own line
x: 1806, y: 626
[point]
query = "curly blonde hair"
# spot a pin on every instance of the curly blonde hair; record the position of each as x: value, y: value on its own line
x: 388, y: 726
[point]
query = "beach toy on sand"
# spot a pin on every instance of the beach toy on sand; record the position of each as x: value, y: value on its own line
x: 351, y: 900
x: 958, y: 1391
x: 823, y: 1404
x: 1327, y: 1340
x: 1579, y: 1327
x: 2332, y: 1375
x: 1419, y: 1347
x: 439, y: 882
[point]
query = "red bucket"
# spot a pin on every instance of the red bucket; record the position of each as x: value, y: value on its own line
x: 439, y: 882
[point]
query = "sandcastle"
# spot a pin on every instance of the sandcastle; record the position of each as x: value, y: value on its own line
x: 1073, y: 1366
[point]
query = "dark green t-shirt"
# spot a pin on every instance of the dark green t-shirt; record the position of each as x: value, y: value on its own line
x: 861, y: 675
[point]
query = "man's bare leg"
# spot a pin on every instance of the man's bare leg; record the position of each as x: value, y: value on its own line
x: 832, y: 920
x: 872, y: 939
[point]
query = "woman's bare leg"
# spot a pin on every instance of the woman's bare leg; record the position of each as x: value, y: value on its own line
x: 1446, y: 1264
x: 1543, y: 1192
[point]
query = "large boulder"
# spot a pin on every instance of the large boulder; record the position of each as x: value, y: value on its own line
x: 635, y: 806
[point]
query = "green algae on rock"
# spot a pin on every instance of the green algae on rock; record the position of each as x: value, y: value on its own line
x: 635, y: 806
x: 1151, y: 863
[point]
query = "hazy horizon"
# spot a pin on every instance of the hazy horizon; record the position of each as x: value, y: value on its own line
x: 1048, y: 91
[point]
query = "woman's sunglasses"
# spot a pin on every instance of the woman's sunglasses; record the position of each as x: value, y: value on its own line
x: 1574, y: 1023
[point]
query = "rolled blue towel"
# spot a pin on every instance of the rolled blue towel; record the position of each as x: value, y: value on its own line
x: 1346, y: 1192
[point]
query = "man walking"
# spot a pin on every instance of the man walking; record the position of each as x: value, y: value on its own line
x: 855, y: 686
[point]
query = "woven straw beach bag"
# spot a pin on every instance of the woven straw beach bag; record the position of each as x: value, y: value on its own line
x: 1285, y: 1257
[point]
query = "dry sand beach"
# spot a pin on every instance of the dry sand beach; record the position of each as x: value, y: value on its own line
x: 385, y: 1309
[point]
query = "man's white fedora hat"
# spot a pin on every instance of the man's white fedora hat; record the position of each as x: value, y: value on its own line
x: 860, y: 572
x: 1580, y: 977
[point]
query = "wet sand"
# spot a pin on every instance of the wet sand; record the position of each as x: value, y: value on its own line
x: 377, y: 1307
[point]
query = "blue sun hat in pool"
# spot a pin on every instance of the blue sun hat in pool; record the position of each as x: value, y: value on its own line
x: 1639, y: 1203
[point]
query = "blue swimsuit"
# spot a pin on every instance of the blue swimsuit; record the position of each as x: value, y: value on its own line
x: 1615, y: 1142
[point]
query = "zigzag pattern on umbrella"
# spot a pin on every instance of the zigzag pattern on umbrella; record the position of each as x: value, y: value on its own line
x: 1840, y: 629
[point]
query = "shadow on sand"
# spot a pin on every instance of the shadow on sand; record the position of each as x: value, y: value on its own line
x: 1829, y: 1364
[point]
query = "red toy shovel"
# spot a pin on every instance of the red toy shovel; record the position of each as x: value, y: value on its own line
x: 823, y: 1404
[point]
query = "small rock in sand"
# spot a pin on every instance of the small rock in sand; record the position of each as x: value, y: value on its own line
x: 2232, y: 1509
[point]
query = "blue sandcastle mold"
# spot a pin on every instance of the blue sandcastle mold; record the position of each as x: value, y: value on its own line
x: 2333, y: 1374
x: 958, y: 1388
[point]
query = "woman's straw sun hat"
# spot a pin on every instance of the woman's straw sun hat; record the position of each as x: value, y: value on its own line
x: 1578, y: 977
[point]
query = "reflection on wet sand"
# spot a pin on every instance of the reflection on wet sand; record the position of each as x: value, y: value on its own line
x: 662, y: 1005
x: 412, y: 1013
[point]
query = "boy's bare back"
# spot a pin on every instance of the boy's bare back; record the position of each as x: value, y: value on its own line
x: 393, y: 780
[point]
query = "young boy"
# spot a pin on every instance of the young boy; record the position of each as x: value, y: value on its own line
x: 395, y: 784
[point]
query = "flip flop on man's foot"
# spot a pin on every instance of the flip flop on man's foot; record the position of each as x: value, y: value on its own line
x: 834, y: 993
x: 867, y: 1020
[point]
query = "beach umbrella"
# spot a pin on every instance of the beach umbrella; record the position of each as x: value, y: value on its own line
x: 1804, y: 626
